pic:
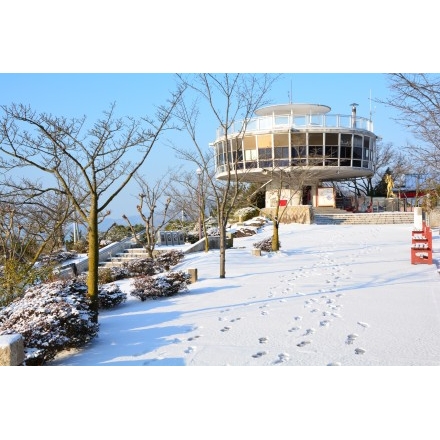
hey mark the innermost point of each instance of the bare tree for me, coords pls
(88, 163)
(30, 226)
(226, 97)
(191, 194)
(416, 97)
(149, 198)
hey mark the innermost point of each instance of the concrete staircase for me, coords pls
(332, 216)
(122, 257)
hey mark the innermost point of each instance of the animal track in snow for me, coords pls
(363, 324)
(359, 351)
(263, 340)
(225, 329)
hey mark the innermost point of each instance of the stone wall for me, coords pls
(292, 214)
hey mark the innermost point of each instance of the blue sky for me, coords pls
(47, 60)
(89, 94)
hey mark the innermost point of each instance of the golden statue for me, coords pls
(390, 184)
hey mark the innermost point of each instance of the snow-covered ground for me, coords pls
(335, 295)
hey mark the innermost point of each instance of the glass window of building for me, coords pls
(366, 153)
(235, 152)
(346, 149)
(298, 152)
(281, 149)
(316, 149)
(357, 151)
(220, 153)
(264, 143)
(250, 151)
(331, 141)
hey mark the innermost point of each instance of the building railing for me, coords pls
(280, 122)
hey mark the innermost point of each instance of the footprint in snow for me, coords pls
(351, 338)
(263, 340)
(193, 337)
(359, 351)
(259, 354)
(303, 343)
(363, 324)
(282, 357)
(225, 329)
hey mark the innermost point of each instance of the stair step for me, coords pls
(363, 218)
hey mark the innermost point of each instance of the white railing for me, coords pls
(274, 122)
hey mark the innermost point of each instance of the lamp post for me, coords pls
(199, 193)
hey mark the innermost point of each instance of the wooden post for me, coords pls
(193, 275)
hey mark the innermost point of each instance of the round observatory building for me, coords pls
(297, 150)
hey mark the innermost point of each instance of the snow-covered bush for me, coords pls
(142, 266)
(213, 232)
(105, 275)
(110, 274)
(265, 245)
(50, 317)
(58, 257)
(163, 285)
(150, 266)
(169, 258)
(243, 232)
(110, 296)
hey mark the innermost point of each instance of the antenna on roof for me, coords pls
(371, 111)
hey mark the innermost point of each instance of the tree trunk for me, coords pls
(92, 279)
(275, 236)
(222, 249)
(205, 235)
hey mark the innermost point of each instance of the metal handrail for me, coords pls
(295, 122)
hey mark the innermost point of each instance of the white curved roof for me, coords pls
(294, 109)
